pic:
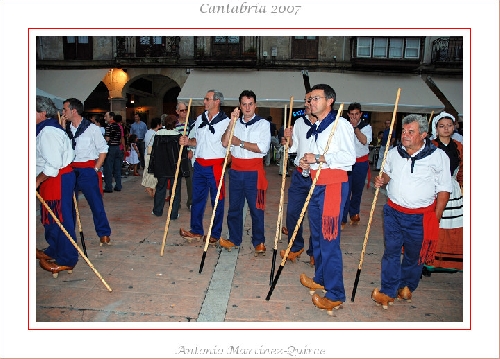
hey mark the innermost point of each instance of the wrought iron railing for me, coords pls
(225, 47)
(147, 46)
(447, 49)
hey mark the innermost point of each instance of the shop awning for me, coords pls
(58, 101)
(69, 83)
(377, 93)
(272, 88)
(453, 90)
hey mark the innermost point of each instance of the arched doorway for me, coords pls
(170, 100)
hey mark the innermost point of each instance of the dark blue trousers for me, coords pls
(160, 194)
(60, 247)
(356, 184)
(88, 183)
(401, 229)
(243, 185)
(327, 254)
(297, 194)
(204, 183)
(113, 168)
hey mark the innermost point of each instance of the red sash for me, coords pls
(254, 164)
(369, 176)
(333, 179)
(50, 191)
(216, 164)
(89, 164)
(431, 229)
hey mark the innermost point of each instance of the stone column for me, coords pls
(118, 106)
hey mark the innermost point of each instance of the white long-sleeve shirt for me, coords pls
(363, 150)
(341, 152)
(53, 151)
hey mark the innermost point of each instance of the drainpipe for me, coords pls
(343, 50)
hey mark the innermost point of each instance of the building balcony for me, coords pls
(447, 52)
(144, 50)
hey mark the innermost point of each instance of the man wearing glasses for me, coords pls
(247, 178)
(181, 110)
(210, 154)
(329, 196)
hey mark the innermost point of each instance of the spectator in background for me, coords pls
(118, 120)
(148, 180)
(133, 154)
(163, 164)
(139, 128)
(274, 141)
(373, 156)
(385, 142)
(102, 125)
(457, 134)
(181, 110)
(114, 159)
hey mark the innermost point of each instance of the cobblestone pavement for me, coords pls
(232, 287)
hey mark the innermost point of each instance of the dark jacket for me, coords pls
(165, 154)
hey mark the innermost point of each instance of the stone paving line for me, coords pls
(232, 285)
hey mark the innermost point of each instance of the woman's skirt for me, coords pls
(449, 253)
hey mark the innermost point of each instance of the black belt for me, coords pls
(140, 139)
(114, 145)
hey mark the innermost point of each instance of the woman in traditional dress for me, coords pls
(449, 253)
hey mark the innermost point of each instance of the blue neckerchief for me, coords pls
(190, 125)
(428, 149)
(251, 122)
(204, 121)
(361, 124)
(316, 130)
(307, 122)
(48, 122)
(81, 129)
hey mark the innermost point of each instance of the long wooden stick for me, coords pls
(209, 232)
(356, 280)
(54, 217)
(82, 238)
(284, 172)
(174, 186)
(304, 208)
(430, 117)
